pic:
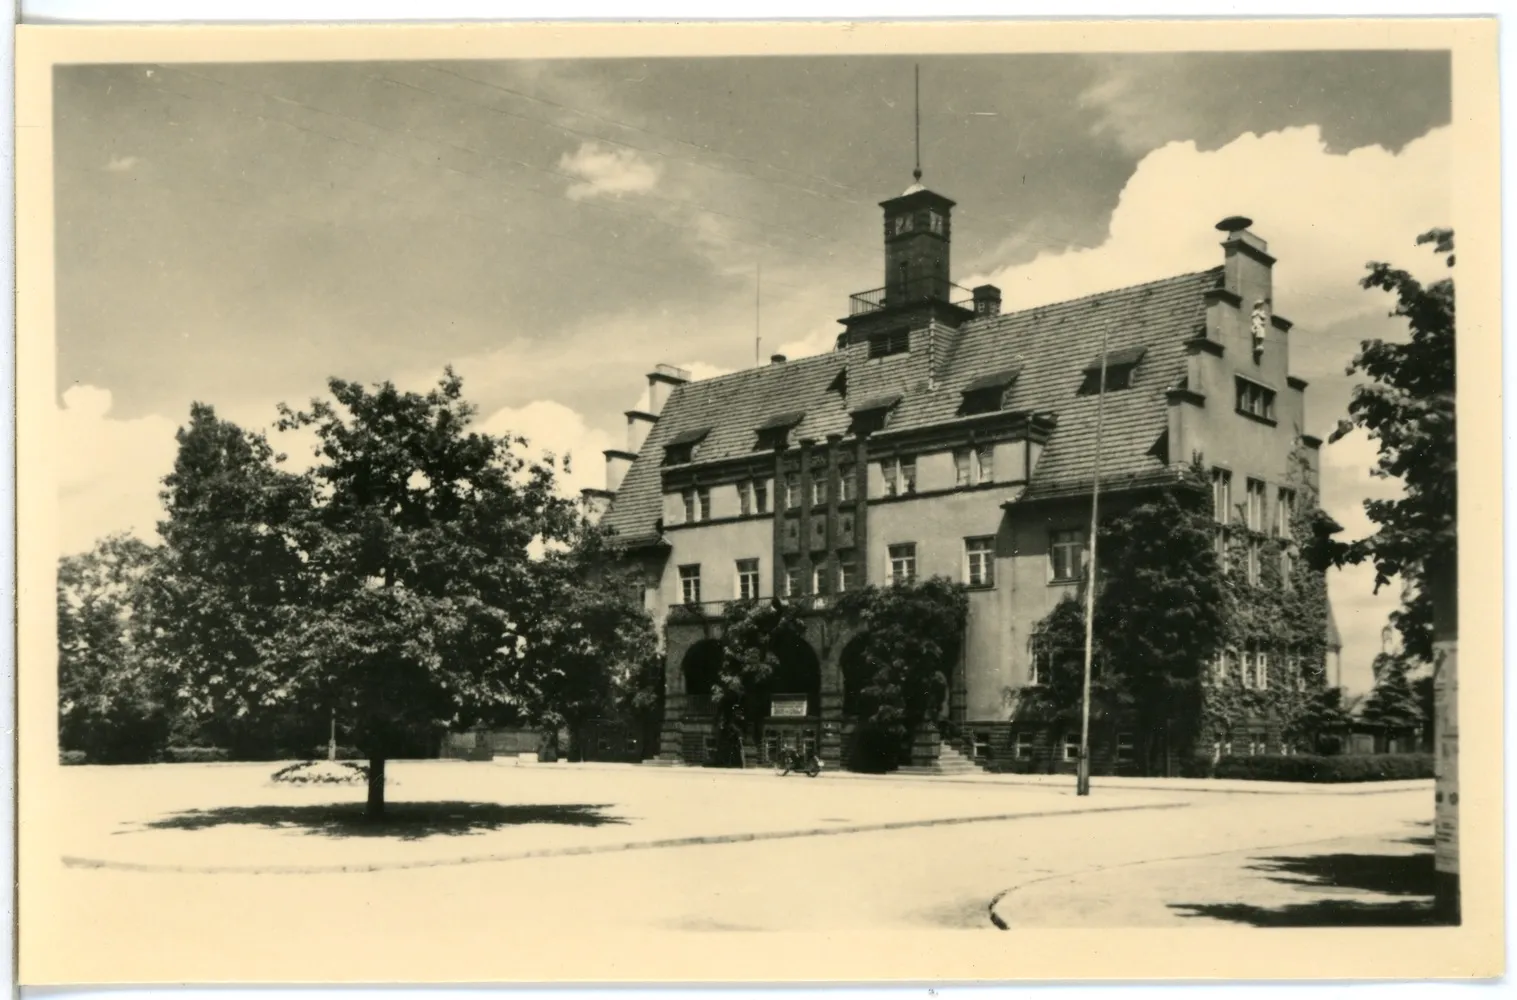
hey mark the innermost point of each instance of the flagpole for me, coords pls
(1082, 779)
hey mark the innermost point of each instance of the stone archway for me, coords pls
(700, 668)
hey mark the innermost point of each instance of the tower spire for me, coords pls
(917, 173)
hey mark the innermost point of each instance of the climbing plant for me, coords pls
(1275, 607)
(911, 640)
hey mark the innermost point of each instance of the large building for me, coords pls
(945, 436)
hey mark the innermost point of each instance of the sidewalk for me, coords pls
(192, 820)
(1059, 782)
(1365, 881)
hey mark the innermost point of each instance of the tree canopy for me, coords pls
(1407, 407)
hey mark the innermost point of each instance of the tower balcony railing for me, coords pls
(908, 293)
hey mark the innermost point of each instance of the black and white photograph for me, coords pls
(481, 510)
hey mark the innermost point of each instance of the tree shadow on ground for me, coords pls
(402, 820)
(1405, 880)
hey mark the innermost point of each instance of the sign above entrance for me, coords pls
(787, 706)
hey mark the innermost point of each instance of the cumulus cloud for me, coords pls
(120, 164)
(109, 469)
(1324, 215)
(551, 428)
(605, 171)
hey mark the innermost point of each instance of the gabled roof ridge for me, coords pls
(759, 368)
(981, 324)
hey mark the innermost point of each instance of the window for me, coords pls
(792, 491)
(747, 579)
(1071, 746)
(883, 345)
(900, 475)
(979, 555)
(981, 745)
(1066, 554)
(1246, 668)
(761, 496)
(1255, 400)
(1222, 495)
(690, 583)
(703, 503)
(1126, 748)
(961, 476)
(1041, 661)
(1285, 513)
(847, 483)
(745, 499)
(1287, 569)
(689, 499)
(848, 572)
(818, 488)
(792, 579)
(1021, 747)
(985, 461)
(903, 562)
(1224, 551)
(1255, 508)
(1261, 666)
(820, 579)
(1253, 562)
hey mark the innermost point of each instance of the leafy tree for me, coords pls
(590, 641)
(114, 702)
(392, 583)
(1408, 409)
(755, 637)
(912, 634)
(1322, 717)
(1392, 703)
(231, 560)
(1159, 609)
(1059, 649)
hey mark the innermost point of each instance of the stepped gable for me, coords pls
(1049, 347)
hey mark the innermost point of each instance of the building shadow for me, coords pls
(402, 820)
(1380, 890)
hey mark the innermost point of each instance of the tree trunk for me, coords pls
(375, 810)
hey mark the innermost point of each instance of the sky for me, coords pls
(236, 234)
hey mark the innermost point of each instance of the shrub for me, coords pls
(1369, 767)
(1200, 766)
(321, 772)
(72, 757)
(195, 755)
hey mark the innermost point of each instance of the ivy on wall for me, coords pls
(1284, 617)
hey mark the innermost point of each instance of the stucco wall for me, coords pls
(716, 548)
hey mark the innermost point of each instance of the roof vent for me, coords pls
(776, 359)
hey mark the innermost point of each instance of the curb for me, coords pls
(70, 861)
(995, 901)
(1204, 786)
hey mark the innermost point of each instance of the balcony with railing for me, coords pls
(908, 293)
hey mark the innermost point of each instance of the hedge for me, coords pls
(1336, 769)
(195, 755)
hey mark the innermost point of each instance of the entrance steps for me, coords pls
(950, 761)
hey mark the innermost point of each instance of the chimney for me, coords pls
(639, 423)
(661, 381)
(776, 359)
(617, 464)
(1247, 265)
(987, 301)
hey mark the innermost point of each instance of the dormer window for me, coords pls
(869, 416)
(987, 394)
(774, 433)
(685, 446)
(1120, 366)
(882, 345)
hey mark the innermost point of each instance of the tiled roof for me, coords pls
(1048, 348)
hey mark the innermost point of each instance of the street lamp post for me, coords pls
(1082, 779)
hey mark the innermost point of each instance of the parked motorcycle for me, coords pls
(788, 760)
